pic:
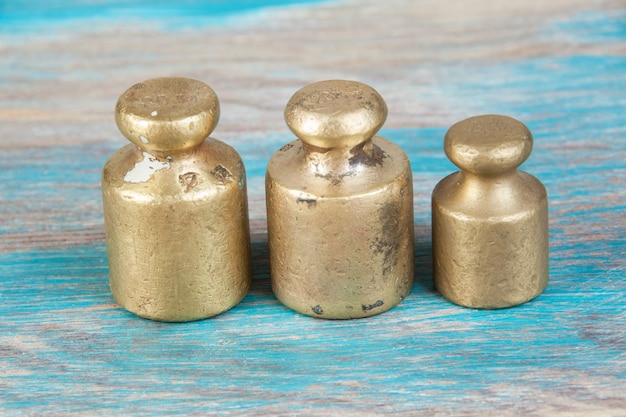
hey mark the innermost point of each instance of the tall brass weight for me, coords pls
(175, 206)
(339, 206)
(490, 220)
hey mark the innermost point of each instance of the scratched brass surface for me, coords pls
(490, 220)
(175, 206)
(339, 206)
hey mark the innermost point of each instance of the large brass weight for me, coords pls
(175, 208)
(339, 206)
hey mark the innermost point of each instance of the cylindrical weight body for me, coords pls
(490, 241)
(341, 246)
(178, 241)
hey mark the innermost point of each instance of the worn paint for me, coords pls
(41, 13)
(145, 169)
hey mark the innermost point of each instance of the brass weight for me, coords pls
(339, 206)
(175, 206)
(490, 220)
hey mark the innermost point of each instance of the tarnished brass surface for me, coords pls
(339, 206)
(175, 206)
(490, 220)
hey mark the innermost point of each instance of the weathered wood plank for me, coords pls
(67, 349)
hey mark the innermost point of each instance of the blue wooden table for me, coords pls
(67, 349)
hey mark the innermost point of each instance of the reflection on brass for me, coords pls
(339, 206)
(490, 220)
(175, 206)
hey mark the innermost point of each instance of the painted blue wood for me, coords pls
(67, 349)
(16, 15)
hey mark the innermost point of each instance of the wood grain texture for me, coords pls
(559, 67)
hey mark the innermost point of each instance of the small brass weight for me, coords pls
(490, 220)
(339, 206)
(175, 206)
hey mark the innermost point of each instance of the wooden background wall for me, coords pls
(66, 348)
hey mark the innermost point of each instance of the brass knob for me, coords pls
(487, 145)
(169, 114)
(335, 113)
